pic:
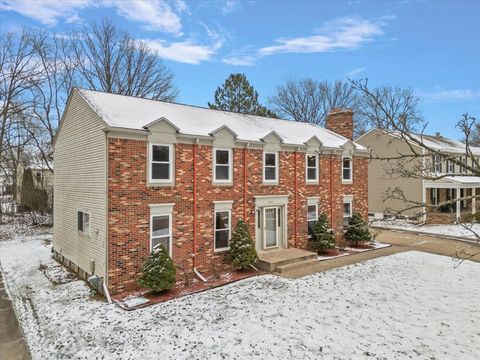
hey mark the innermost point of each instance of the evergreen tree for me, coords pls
(357, 230)
(28, 187)
(237, 95)
(242, 248)
(158, 272)
(323, 235)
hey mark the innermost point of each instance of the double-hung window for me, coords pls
(463, 167)
(347, 169)
(222, 229)
(312, 217)
(450, 166)
(161, 232)
(83, 222)
(347, 210)
(270, 167)
(312, 168)
(437, 163)
(222, 165)
(161, 163)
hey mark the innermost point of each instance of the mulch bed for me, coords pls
(181, 289)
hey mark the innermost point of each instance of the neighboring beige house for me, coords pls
(384, 177)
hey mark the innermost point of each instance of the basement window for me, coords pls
(83, 222)
(160, 163)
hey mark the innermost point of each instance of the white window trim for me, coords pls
(464, 161)
(171, 169)
(347, 181)
(215, 250)
(230, 166)
(169, 231)
(83, 222)
(311, 181)
(316, 215)
(348, 199)
(270, 182)
(437, 163)
(450, 167)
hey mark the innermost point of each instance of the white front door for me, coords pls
(271, 226)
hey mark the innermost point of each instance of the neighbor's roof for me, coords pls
(128, 112)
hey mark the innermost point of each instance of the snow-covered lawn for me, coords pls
(408, 305)
(445, 230)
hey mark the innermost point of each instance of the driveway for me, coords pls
(401, 242)
(12, 343)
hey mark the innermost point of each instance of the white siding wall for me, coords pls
(80, 183)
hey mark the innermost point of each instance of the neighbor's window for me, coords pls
(347, 212)
(222, 168)
(222, 230)
(161, 232)
(161, 163)
(347, 169)
(312, 168)
(270, 167)
(450, 166)
(437, 163)
(463, 168)
(83, 222)
(312, 216)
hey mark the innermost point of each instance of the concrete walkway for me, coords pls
(400, 242)
(12, 343)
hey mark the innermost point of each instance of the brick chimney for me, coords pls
(341, 122)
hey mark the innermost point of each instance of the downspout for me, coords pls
(194, 154)
(331, 188)
(245, 183)
(295, 197)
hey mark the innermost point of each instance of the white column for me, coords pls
(424, 201)
(458, 202)
(474, 202)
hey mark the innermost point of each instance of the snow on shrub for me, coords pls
(242, 248)
(323, 235)
(158, 272)
(357, 230)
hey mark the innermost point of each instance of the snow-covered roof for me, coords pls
(460, 181)
(128, 112)
(441, 143)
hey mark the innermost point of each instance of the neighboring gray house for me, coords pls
(388, 145)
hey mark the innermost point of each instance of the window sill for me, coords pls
(83, 234)
(219, 183)
(268, 183)
(221, 251)
(347, 182)
(312, 182)
(160, 184)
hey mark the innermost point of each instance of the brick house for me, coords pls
(132, 173)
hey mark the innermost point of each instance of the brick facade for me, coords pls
(129, 197)
(341, 122)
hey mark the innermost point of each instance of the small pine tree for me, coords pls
(242, 248)
(158, 272)
(357, 230)
(323, 235)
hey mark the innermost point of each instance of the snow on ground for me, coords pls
(444, 229)
(408, 305)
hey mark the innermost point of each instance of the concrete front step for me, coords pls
(296, 265)
(271, 260)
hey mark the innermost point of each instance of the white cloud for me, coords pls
(240, 60)
(47, 12)
(230, 6)
(355, 72)
(154, 14)
(449, 95)
(184, 51)
(341, 34)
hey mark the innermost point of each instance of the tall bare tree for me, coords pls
(108, 59)
(309, 100)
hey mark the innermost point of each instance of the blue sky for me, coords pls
(431, 46)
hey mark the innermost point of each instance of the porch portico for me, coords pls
(456, 193)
